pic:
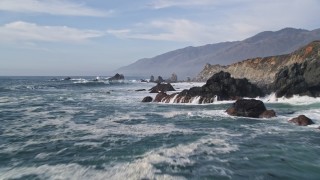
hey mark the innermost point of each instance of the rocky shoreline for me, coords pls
(295, 74)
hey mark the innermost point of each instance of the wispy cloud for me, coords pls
(180, 30)
(54, 7)
(183, 30)
(159, 4)
(20, 31)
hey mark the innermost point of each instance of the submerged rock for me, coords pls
(138, 90)
(147, 99)
(250, 108)
(301, 120)
(161, 88)
(268, 114)
(67, 79)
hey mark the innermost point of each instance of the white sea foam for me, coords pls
(180, 155)
(186, 85)
(295, 100)
(42, 155)
(196, 100)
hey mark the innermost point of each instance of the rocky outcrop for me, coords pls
(147, 99)
(67, 79)
(301, 120)
(250, 108)
(151, 78)
(173, 78)
(220, 86)
(116, 77)
(299, 79)
(162, 88)
(159, 80)
(262, 71)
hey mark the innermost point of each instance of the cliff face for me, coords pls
(262, 71)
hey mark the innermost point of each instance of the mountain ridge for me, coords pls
(189, 61)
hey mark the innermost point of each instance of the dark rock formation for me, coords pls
(160, 96)
(147, 99)
(300, 79)
(161, 88)
(151, 78)
(143, 80)
(116, 77)
(159, 80)
(140, 90)
(301, 120)
(173, 79)
(220, 86)
(250, 108)
(67, 78)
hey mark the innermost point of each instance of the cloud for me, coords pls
(54, 7)
(180, 30)
(159, 4)
(183, 30)
(227, 20)
(20, 31)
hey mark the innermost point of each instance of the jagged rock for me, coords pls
(143, 80)
(250, 108)
(147, 99)
(151, 78)
(116, 77)
(173, 79)
(299, 79)
(67, 78)
(160, 96)
(228, 88)
(159, 80)
(161, 88)
(220, 86)
(301, 120)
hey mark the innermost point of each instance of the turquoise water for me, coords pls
(82, 129)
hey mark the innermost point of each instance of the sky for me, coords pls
(95, 37)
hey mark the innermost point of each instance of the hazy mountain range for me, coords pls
(190, 61)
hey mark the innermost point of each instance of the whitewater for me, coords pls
(87, 129)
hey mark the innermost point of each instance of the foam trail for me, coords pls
(196, 100)
(173, 100)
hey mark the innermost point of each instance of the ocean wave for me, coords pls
(295, 100)
(181, 156)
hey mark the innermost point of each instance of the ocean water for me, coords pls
(81, 129)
